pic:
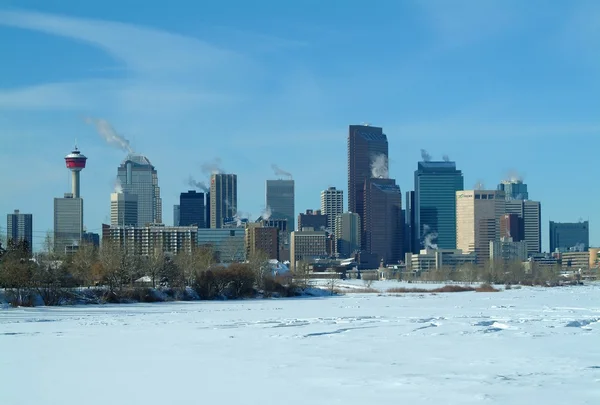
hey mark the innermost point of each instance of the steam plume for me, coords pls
(266, 214)
(429, 237)
(280, 172)
(425, 155)
(446, 158)
(200, 185)
(118, 186)
(479, 185)
(213, 167)
(513, 177)
(379, 167)
(108, 133)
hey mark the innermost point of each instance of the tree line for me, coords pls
(112, 274)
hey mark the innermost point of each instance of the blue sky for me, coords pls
(499, 86)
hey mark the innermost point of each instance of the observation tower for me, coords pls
(75, 163)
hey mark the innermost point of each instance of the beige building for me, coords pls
(435, 259)
(307, 245)
(478, 214)
(261, 239)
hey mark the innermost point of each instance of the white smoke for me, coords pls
(379, 167)
(200, 185)
(514, 177)
(108, 133)
(425, 155)
(118, 186)
(429, 237)
(280, 172)
(446, 158)
(266, 214)
(479, 185)
(213, 167)
(580, 247)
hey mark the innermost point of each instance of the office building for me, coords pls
(123, 209)
(436, 184)
(383, 224)
(262, 239)
(530, 213)
(514, 189)
(19, 227)
(176, 214)
(280, 200)
(508, 250)
(136, 175)
(307, 246)
(228, 244)
(348, 232)
(411, 239)
(68, 223)
(223, 198)
(512, 226)
(366, 146)
(569, 236)
(146, 240)
(478, 214)
(191, 209)
(207, 210)
(313, 219)
(436, 259)
(332, 204)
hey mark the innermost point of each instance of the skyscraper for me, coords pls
(19, 227)
(347, 232)
(511, 226)
(411, 239)
(514, 189)
(436, 184)
(223, 198)
(332, 204)
(123, 209)
(367, 157)
(383, 225)
(138, 176)
(177, 214)
(531, 214)
(280, 199)
(191, 209)
(478, 214)
(569, 236)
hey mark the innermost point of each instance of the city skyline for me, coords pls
(498, 112)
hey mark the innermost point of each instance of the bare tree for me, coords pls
(111, 258)
(82, 262)
(231, 250)
(258, 261)
(155, 265)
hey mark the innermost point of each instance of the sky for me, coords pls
(500, 86)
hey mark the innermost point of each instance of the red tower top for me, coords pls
(75, 160)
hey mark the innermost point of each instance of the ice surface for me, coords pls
(524, 346)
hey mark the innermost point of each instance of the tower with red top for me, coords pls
(76, 163)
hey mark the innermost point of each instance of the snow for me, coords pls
(532, 345)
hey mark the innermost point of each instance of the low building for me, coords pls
(261, 239)
(145, 240)
(575, 261)
(227, 243)
(435, 259)
(307, 246)
(508, 250)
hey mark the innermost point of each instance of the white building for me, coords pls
(434, 259)
(68, 223)
(332, 204)
(307, 245)
(123, 209)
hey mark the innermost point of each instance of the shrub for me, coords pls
(444, 289)
(486, 288)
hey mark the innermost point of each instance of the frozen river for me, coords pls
(513, 347)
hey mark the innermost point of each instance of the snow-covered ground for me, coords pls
(527, 346)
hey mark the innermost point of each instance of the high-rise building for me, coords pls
(508, 250)
(148, 239)
(313, 219)
(68, 223)
(176, 214)
(191, 209)
(411, 238)
(19, 227)
(332, 204)
(262, 239)
(514, 189)
(478, 214)
(383, 225)
(569, 236)
(348, 232)
(280, 200)
(123, 209)
(531, 214)
(307, 246)
(436, 184)
(68, 211)
(207, 209)
(223, 198)
(138, 176)
(512, 227)
(367, 157)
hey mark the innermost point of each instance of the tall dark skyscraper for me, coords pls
(19, 227)
(191, 209)
(280, 199)
(223, 198)
(569, 236)
(411, 240)
(436, 184)
(207, 209)
(383, 226)
(367, 146)
(530, 212)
